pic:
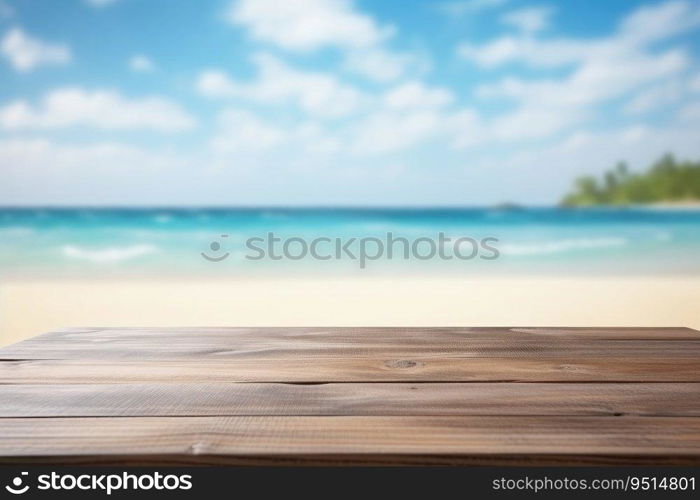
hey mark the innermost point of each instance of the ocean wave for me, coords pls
(11, 231)
(162, 218)
(273, 215)
(109, 254)
(561, 246)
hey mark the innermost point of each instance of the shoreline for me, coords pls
(598, 274)
(661, 206)
(691, 205)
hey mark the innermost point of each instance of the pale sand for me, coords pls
(31, 307)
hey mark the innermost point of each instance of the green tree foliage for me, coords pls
(667, 180)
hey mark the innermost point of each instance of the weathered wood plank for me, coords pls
(333, 440)
(432, 334)
(375, 399)
(170, 396)
(152, 348)
(412, 369)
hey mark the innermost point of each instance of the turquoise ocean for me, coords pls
(102, 242)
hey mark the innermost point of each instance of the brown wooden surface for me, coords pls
(209, 439)
(375, 369)
(344, 343)
(352, 396)
(376, 399)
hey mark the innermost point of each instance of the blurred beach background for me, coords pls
(137, 136)
(144, 267)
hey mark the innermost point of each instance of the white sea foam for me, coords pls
(162, 218)
(109, 254)
(561, 246)
(12, 231)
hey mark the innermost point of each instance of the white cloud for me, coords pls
(100, 3)
(526, 50)
(42, 153)
(102, 173)
(660, 21)
(653, 98)
(378, 64)
(405, 117)
(215, 83)
(316, 93)
(385, 132)
(401, 118)
(492, 54)
(545, 107)
(314, 139)
(600, 70)
(416, 95)
(310, 25)
(243, 134)
(25, 52)
(637, 31)
(593, 82)
(533, 122)
(691, 113)
(243, 131)
(634, 34)
(528, 20)
(303, 25)
(104, 109)
(141, 64)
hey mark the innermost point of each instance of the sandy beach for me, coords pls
(28, 308)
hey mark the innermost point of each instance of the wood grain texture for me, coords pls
(296, 343)
(322, 370)
(386, 333)
(377, 399)
(333, 440)
(352, 396)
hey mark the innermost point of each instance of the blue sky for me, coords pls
(338, 102)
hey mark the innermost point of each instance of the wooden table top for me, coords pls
(146, 396)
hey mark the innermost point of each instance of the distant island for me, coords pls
(667, 181)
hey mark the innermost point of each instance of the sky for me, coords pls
(338, 102)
